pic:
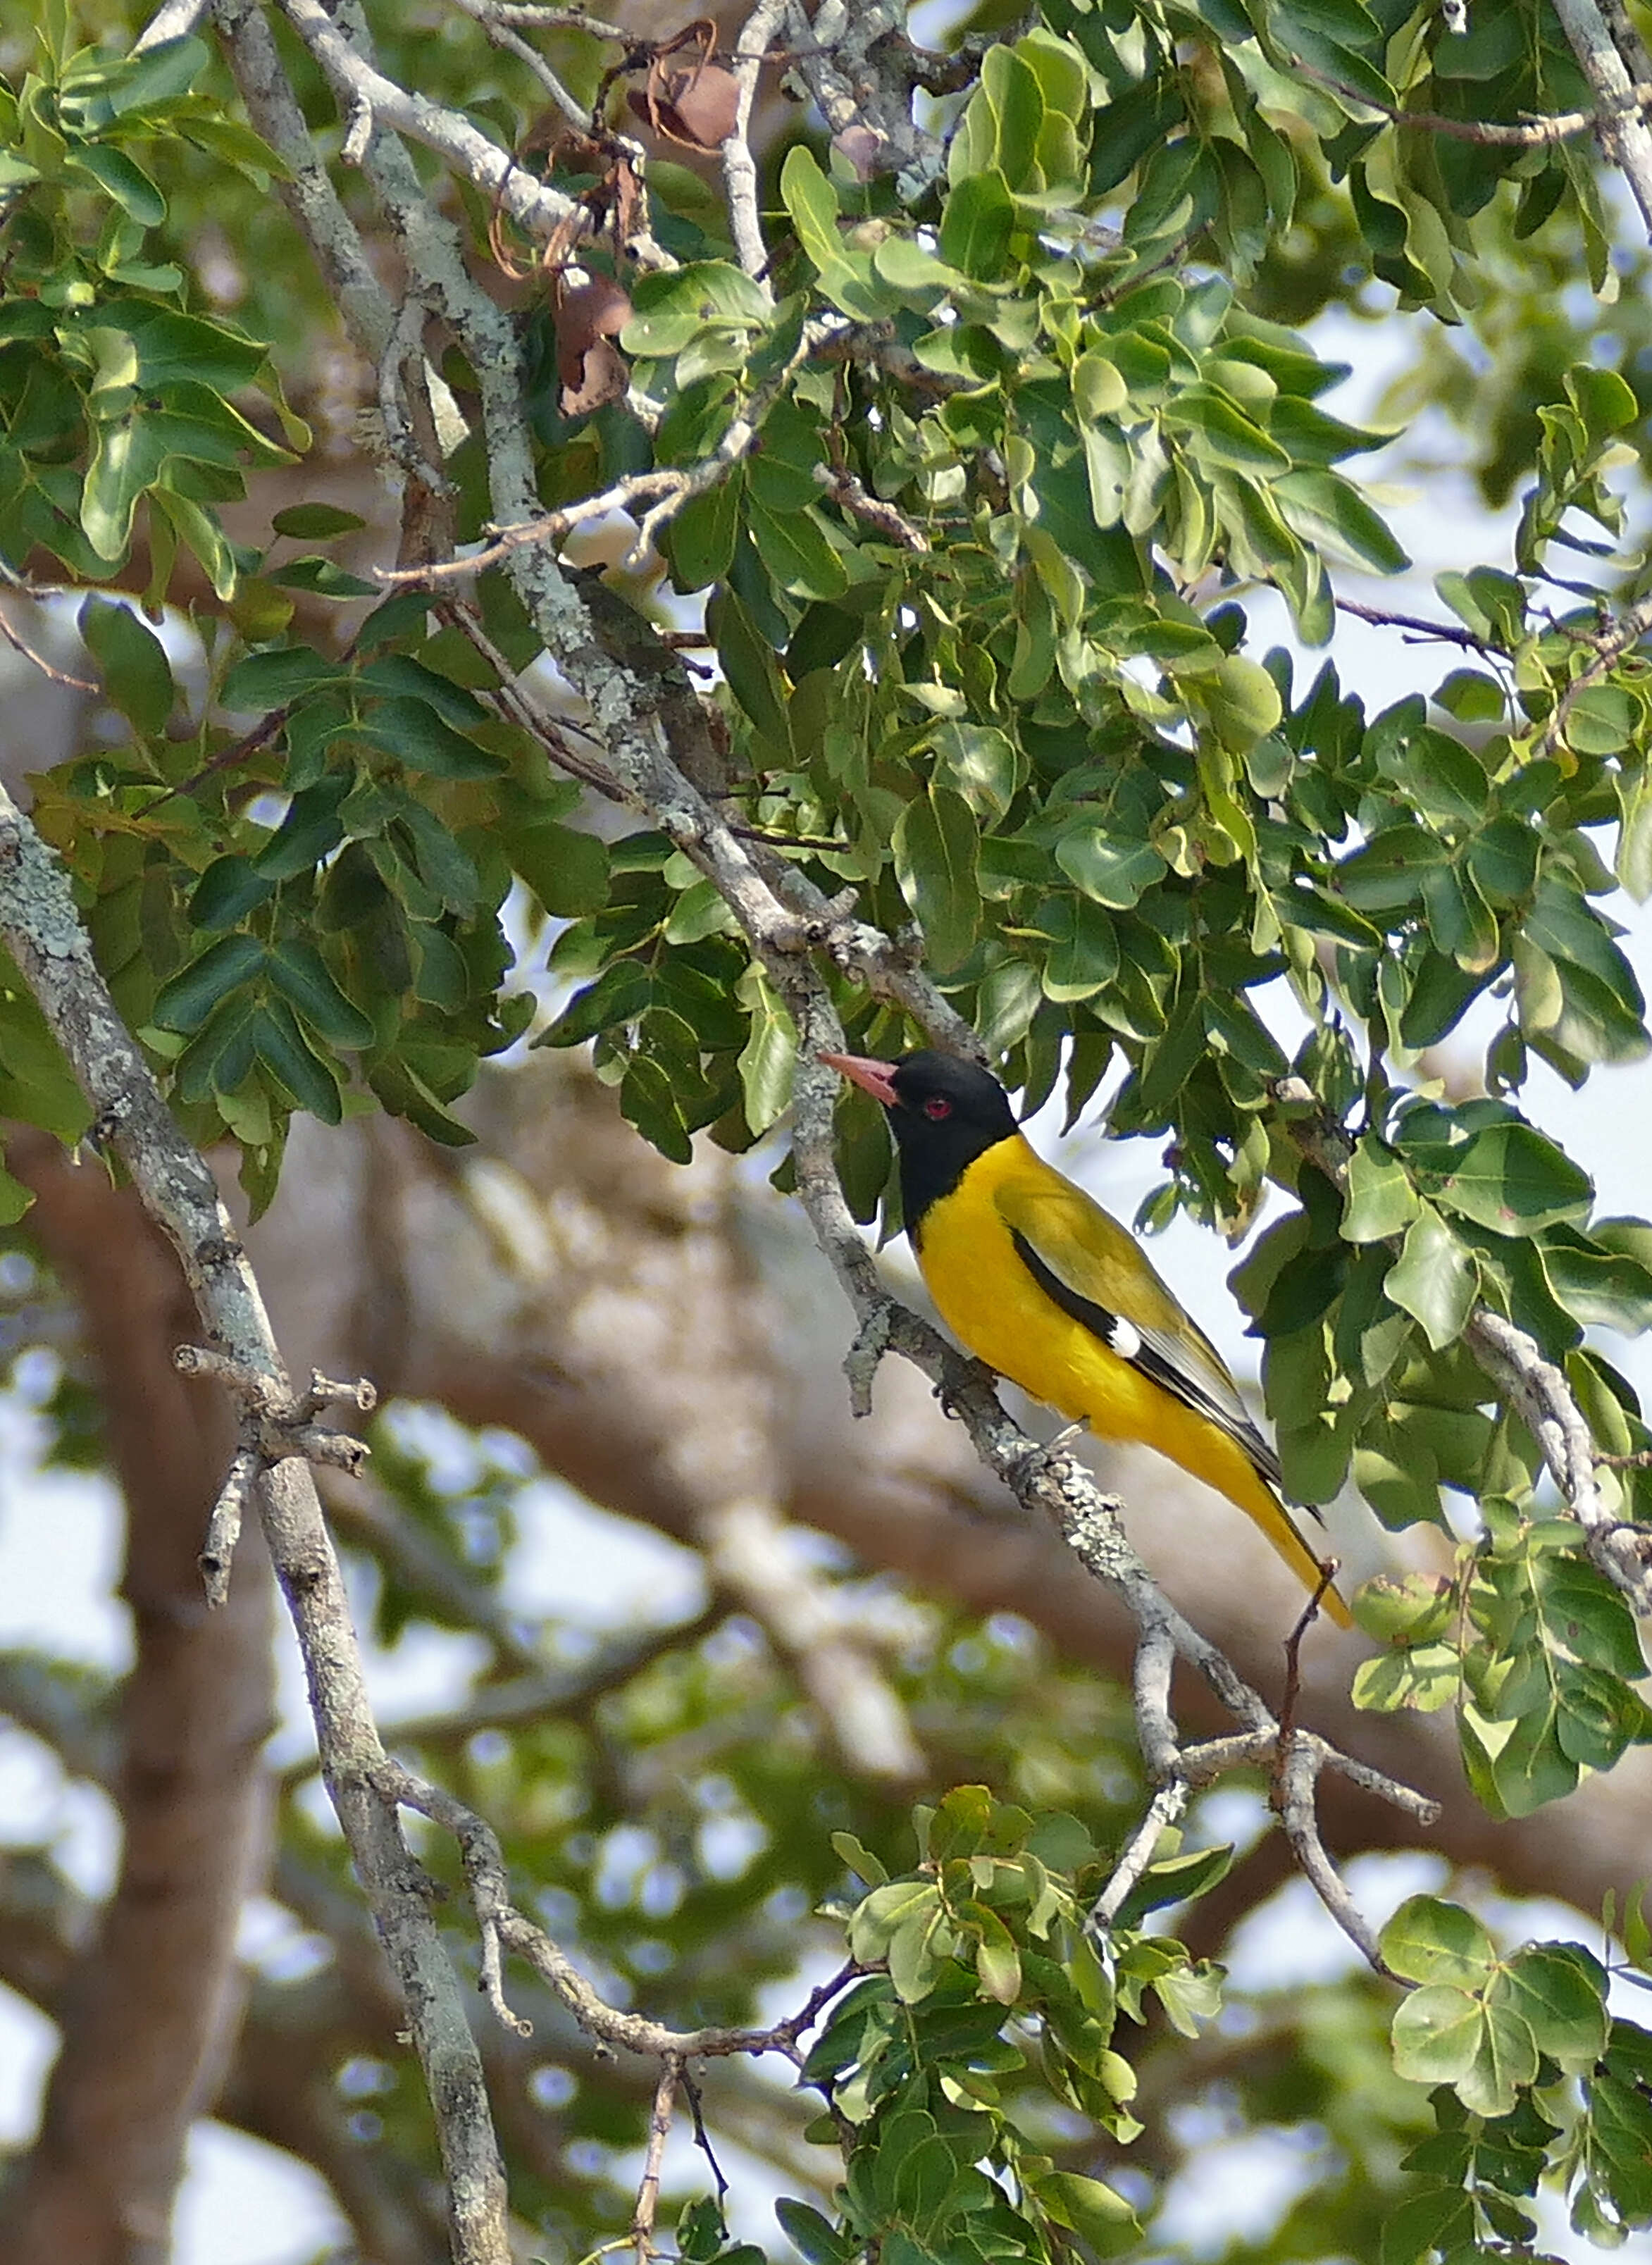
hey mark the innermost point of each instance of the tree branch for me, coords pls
(740, 170)
(1625, 135)
(39, 927)
(157, 1992)
(364, 91)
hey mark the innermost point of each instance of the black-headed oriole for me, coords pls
(1038, 1282)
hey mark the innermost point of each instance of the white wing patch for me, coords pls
(1123, 1338)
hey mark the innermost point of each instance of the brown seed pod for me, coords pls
(589, 316)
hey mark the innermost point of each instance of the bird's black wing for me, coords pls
(1178, 1368)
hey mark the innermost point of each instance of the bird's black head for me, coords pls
(943, 1111)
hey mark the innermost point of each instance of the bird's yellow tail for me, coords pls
(1260, 1503)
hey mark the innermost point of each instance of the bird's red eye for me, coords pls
(937, 1106)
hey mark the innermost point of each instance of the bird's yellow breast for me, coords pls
(989, 1301)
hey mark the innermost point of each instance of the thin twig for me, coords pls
(1293, 1801)
(1306, 1618)
(1445, 632)
(1163, 1811)
(843, 489)
(514, 700)
(497, 25)
(1529, 132)
(1610, 644)
(38, 660)
(701, 2136)
(1296, 1763)
(555, 19)
(224, 1528)
(660, 2117)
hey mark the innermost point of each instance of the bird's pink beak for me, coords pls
(876, 1078)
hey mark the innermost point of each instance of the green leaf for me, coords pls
(311, 829)
(322, 578)
(185, 1002)
(273, 680)
(1082, 955)
(227, 892)
(814, 2240)
(282, 1049)
(126, 460)
(1424, 1679)
(1582, 1610)
(96, 93)
(1328, 512)
(768, 1059)
(977, 226)
(300, 973)
(1435, 1279)
(1507, 2060)
(673, 308)
(650, 1101)
(623, 990)
(1381, 1200)
(122, 178)
(1439, 2033)
(702, 536)
(313, 522)
(795, 548)
(1560, 1991)
(846, 276)
(1437, 2220)
(981, 762)
(1522, 1762)
(811, 200)
(177, 348)
(1241, 700)
(1115, 871)
(1430, 1940)
(1512, 1180)
(935, 848)
(401, 673)
(412, 730)
(997, 1960)
(749, 663)
(567, 870)
(136, 675)
(914, 1960)
(1103, 2220)
(880, 1915)
(1222, 432)
(860, 1859)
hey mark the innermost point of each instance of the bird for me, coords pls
(1041, 1284)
